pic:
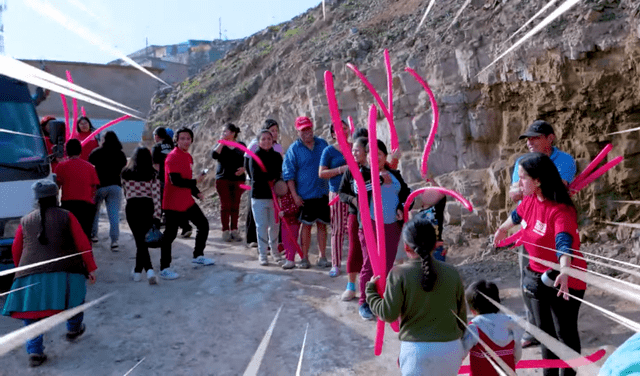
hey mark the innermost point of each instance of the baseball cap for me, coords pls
(538, 128)
(303, 122)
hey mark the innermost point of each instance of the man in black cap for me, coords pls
(540, 137)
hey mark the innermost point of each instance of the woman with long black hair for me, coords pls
(84, 128)
(427, 295)
(109, 160)
(550, 233)
(142, 192)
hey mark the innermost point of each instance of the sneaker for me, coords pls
(263, 260)
(201, 260)
(114, 246)
(288, 265)
(137, 277)
(348, 295)
(36, 360)
(304, 264)
(151, 277)
(235, 236)
(73, 335)
(277, 257)
(186, 233)
(94, 238)
(323, 263)
(365, 312)
(334, 272)
(253, 245)
(169, 274)
(226, 236)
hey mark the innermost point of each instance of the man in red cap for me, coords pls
(310, 192)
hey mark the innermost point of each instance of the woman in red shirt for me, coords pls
(84, 129)
(550, 233)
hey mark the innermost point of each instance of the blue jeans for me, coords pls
(36, 346)
(266, 228)
(112, 196)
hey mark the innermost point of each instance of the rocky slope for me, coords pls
(580, 73)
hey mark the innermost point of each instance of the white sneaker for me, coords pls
(263, 260)
(114, 246)
(348, 295)
(201, 260)
(151, 277)
(137, 277)
(288, 265)
(226, 236)
(169, 274)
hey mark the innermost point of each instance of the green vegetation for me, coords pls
(264, 47)
(292, 32)
(274, 28)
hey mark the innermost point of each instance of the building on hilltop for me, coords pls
(179, 61)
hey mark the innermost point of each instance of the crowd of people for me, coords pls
(290, 192)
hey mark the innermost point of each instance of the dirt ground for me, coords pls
(212, 320)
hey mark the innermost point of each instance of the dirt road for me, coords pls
(212, 320)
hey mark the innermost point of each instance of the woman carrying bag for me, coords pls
(143, 210)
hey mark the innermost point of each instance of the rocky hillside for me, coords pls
(580, 73)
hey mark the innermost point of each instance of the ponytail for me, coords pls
(420, 236)
(45, 203)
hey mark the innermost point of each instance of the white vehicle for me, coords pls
(23, 160)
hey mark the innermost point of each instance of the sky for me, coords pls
(126, 24)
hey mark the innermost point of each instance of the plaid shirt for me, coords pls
(151, 189)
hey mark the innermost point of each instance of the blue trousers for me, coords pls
(112, 197)
(36, 346)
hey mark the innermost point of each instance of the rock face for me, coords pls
(580, 73)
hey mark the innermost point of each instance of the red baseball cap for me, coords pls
(303, 122)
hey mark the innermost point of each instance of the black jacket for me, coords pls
(109, 164)
(272, 160)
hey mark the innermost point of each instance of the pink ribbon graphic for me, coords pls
(445, 191)
(363, 201)
(112, 122)
(434, 126)
(351, 125)
(385, 111)
(596, 161)
(245, 187)
(84, 113)
(74, 102)
(549, 363)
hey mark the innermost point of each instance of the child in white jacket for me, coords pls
(498, 331)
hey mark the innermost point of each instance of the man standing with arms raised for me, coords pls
(540, 137)
(310, 192)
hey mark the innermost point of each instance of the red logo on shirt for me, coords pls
(540, 228)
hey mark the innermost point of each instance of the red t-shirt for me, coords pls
(88, 147)
(77, 179)
(177, 198)
(542, 221)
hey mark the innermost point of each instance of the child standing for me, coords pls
(498, 331)
(290, 223)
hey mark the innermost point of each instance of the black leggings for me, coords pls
(174, 220)
(554, 315)
(139, 211)
(84, 213)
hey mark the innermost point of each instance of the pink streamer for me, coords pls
(445, 191)
(351, 125)
(387, 115)
(599, 172)
(253, 155)
(74, 102)
(549, 363)
(434, 127)
(333, 202)
(387, 63)
(513, 239)
(596, 161)
(363, 202)
(245, 187)
(378, 261)
(84, 113)
(112, 122)
(65, 108)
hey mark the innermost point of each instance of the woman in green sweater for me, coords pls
(424, 293)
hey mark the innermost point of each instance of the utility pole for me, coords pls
(3, 7)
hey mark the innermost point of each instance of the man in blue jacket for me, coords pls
(310, 192)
